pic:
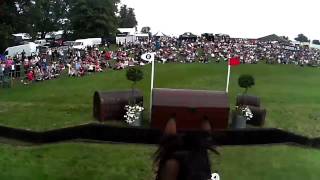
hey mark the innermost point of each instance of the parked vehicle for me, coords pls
(50, 42)
(58, 42)
(29, 50)
(96, 41)
(68, 43)
(82, 44)
(23, 36)
(109, 40)
(41, 42)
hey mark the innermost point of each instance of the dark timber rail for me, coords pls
(99, 132)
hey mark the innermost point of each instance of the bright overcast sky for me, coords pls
(238, 18)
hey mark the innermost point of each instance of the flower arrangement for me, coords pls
(132, 113)
(245, 112)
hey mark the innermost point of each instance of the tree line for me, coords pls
(78, 18)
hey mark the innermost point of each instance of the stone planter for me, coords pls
(239, 122)
(138, 122)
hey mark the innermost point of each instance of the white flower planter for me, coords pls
(133, 115)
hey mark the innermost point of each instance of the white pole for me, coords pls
(152, 79)
(228, 80)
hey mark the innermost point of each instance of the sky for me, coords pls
(238, 18)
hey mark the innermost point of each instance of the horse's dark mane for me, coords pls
(190, 144)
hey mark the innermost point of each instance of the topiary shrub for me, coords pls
(246, 81)
(135, 75)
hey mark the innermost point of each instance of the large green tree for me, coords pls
(13, 15)
(302, 38)
(47, 16)
(5, 36)
(127, 17)
(85, 18)
(30, 16)
(93, 18)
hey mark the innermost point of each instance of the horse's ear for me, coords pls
(206, 125)
(171, 127)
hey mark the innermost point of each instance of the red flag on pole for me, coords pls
(235, 61)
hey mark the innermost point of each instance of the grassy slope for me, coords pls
(290, 94)
(122, 162)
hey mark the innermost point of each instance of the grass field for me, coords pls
(290, 94)
(134, 162)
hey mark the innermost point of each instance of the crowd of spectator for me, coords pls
(249, 51)
(75, 63)
(54, 62)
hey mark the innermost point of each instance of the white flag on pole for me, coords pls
(148, 57)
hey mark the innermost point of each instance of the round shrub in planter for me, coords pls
(135, 75)
(134, 111)
(246, 81)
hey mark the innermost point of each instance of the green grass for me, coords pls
(268, 163)
(122, 162)
(289, 93)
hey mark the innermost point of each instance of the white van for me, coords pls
(41, 42)
(82, 44)
(96, 41)
(29, 49)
